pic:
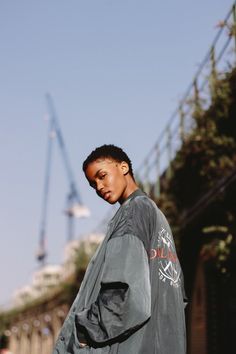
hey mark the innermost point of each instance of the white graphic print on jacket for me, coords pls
(168, 265)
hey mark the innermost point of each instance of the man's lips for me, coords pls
(106, 195)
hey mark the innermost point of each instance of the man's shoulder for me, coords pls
(143, 202)
(144, 209)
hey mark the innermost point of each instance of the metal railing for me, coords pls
(219, 59)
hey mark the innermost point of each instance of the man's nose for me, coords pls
(99, 186)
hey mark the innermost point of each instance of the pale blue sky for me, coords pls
(116, 70)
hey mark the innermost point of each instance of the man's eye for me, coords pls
(102, 176)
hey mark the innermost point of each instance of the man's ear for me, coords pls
(124, 167)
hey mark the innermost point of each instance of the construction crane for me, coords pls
(75, 207)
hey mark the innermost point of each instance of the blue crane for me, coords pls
(75, 207)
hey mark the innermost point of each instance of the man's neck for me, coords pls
(131, 188)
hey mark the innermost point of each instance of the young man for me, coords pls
(131, 300)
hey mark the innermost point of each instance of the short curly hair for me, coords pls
(110, 150)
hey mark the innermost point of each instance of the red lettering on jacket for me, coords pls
(163, 254)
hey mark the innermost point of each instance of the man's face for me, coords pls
(107, 177)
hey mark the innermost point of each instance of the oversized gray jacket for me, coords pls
(131, 300)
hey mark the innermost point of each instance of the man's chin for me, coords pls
(111, 201)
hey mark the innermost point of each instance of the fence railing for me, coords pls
(219, 59)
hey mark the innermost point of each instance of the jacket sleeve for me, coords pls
(124, 301)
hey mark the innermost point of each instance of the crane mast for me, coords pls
(75, 207)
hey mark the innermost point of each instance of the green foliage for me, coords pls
(223, 110)
(209, 151)
(69, 291)
(202, 161)
(218, 250)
